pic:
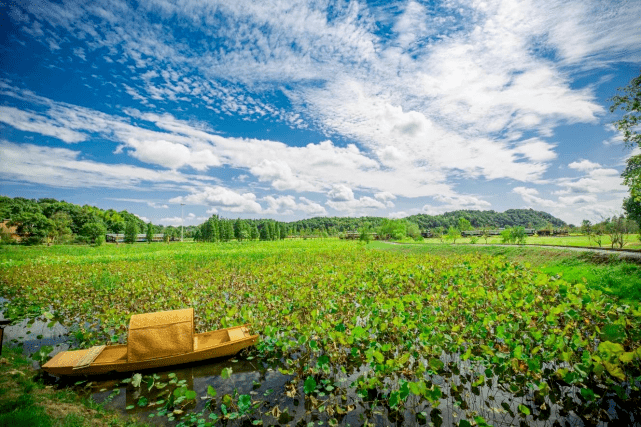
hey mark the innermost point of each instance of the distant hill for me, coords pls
(527, 218)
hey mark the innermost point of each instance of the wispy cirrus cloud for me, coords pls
(61, 167)
(29, 121)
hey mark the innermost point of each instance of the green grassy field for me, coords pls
(615, 277)
(378, 329)
(631, 241)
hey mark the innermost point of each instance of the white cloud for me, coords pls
(411, 26)
(453, 203)
(584, 165)
(396, 215)
(390, 155)
(164, 153)
(536, 150)
(530, 195)
(287, 205)
(354, 205)
(177, 221)
(573, 200)
(340, 193)
(144, 218)
(151, 204)
(60, 167)
(280, 205)
(596, 180)
(310, 207)
(386, 197)
(31, 122)
(280, 175)
(221, 198)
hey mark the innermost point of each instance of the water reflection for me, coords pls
(31, 336)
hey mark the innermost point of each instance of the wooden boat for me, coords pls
(155, 340)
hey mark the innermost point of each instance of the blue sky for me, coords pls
(294, 109)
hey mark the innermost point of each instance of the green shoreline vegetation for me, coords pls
(521, 319)
(26, 402)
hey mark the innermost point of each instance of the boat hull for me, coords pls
(114, 358)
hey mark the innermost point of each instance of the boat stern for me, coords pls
(63, 362)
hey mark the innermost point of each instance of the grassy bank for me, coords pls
(613, 276)
(26, 401)
(631, 241)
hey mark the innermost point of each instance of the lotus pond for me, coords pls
(349, 336)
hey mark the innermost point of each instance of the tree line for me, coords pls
(217, 229)
(58, 222)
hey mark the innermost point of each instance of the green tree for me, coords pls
(413, 231)
(206, 231)
(586, 227)
(264, 232)
(33, 225)
(505, 236)
(438, 233)
(365, 233)
(628, 100)
(617, 229)
(60, 231)
(632, 209)
(485, 232)
(464, 224)
(597, 234)
(394, 229)
(149, 235)
(238, 230)
(168, 233)
(94, 233)
(517, 235)
(453, 233)
(215, 229)
(254, 234)
(115, 223)
(131, 232)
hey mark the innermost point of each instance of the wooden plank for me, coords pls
(88, 358)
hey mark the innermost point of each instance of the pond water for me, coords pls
(249, 389)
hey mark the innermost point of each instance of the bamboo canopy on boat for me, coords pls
(162, 334)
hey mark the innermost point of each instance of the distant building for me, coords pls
(120, 238)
